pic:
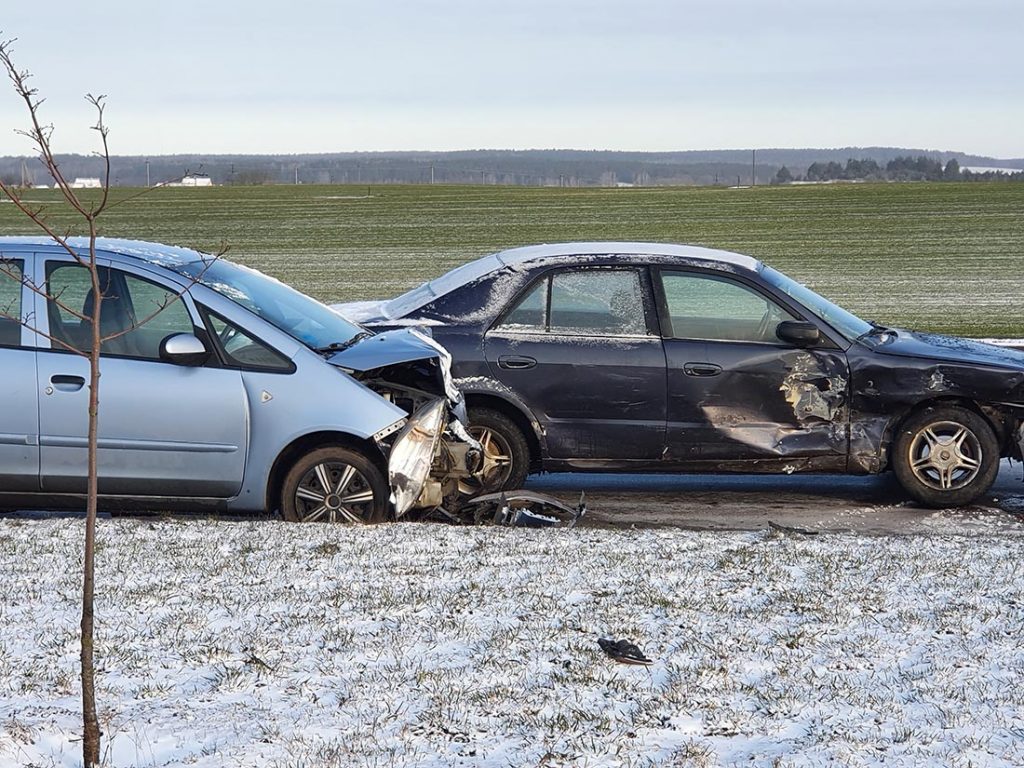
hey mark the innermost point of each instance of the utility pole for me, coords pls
(147, 174)
(753, 167)
(296, 175)
(431, 173)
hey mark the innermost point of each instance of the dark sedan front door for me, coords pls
(580, 348)
(736, 392)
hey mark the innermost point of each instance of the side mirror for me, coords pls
(798, 333)
(183, 349)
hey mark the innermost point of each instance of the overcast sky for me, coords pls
(333, 75)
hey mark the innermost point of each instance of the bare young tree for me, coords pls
(88, 211)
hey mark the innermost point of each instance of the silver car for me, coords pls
(239, 394)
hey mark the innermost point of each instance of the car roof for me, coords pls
(152, 253)
(530, 253)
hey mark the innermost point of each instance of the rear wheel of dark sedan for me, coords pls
(506, 454)
(334, 484)
(946, 456)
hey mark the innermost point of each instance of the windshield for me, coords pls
(845, 322)
(449, 281)
(301, 317)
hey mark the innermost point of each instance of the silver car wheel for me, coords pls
(945, 455)
(332, 492)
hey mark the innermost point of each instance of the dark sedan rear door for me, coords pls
(736, 392)
(581, 348)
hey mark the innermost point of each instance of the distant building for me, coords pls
(193, 180)
(989, 169)
(86, 183)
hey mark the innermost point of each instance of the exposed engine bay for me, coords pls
(432, 453)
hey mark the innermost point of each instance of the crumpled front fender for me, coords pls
(412, 455)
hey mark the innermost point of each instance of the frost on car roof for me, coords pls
(154, 253)
(535, 252)
(473, 270)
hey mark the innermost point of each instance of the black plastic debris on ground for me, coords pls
(523, 509)
(624, 652)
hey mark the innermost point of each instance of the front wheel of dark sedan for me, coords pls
(506, 459)
(946, 456)
(334, 484)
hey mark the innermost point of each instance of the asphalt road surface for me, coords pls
(823, 503)
(874, 505)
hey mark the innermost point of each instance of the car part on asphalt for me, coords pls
(525, 509)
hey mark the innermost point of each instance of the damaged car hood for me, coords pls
(904, 343)
(404, 345)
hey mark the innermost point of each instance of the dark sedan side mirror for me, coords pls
(798, 332)
(184, 349)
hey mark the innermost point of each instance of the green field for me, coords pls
(943, 257)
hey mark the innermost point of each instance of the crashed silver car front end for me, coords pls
(431, 451)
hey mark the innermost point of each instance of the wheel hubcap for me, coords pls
(334, 492)
(945, 456)
(497, 462)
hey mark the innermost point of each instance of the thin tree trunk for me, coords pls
(90, 723)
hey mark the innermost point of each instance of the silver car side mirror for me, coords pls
(184, 349)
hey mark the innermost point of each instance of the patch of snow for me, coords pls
(261, 643)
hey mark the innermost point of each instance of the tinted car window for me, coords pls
(136, 314)
(597, 303)
(708, 307)
(10, 303)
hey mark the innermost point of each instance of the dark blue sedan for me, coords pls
(664, 358)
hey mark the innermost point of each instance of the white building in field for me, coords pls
(83, 182)
(193, 180)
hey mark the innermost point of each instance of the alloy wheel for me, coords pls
(497, 462)
(332, 492)
(945, 455)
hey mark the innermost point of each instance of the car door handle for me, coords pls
(67, 383)
(702, 369)
(516, 362)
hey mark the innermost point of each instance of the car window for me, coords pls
(242, 350)
(10, 302)
(597, 302)
(713, 308)
(136, 315)
(529, 313)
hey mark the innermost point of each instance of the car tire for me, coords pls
(335, 484)
(506, 453)
(945, 456)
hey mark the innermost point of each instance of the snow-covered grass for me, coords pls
(260, 643)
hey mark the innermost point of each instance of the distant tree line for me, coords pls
(920, 168)
(550, 168)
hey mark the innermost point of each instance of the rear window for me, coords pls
(423, 294)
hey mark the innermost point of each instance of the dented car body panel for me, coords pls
(733, 395)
